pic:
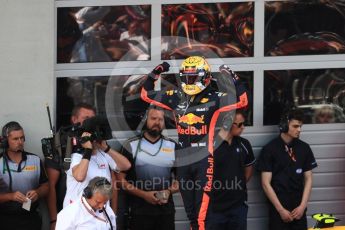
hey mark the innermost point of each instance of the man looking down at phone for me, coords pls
(149, 180)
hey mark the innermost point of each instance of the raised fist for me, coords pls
(161, 68)
(224, 69)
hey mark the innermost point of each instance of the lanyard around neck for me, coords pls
(5, 166)
(92, 212)
(145, 151)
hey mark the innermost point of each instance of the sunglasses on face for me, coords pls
(239, 125)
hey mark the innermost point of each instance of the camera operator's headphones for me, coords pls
(100, 181)
(12, 125)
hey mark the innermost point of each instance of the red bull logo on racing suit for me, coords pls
(191, 119)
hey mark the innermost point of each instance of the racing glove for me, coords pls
(161, 68)
(224, 69)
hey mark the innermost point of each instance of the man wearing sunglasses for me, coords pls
(233, 167)
(286, 165)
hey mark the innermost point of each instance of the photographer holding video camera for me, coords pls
(96, 158)
(57, 150)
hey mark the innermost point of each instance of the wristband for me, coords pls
(153, 76)
(52, 221)
(107, 149)
(87, 154)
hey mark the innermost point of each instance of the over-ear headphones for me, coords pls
(143, 124)
(94, 184)
(284, 123)
(292, 114)
(10, 126)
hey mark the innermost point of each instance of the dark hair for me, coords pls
(145, 118)
(241, 112)
(9, 127)
(295, 114)
(152, 106)
(79, 106)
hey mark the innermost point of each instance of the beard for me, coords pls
(154, 132)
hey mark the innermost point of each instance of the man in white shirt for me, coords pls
(97, 159)
(90, 211)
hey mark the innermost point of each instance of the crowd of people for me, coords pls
(209, 164)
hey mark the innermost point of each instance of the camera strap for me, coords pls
(67, 158)
(64, 147)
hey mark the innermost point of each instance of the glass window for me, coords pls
(103, 33)
(304, 27)
(74, 90)
(320, 93)
(207, 29)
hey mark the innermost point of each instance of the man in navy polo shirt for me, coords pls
(233, 167)
(286, 165)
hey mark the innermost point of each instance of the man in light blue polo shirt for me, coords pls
(149, 181)
(22, 182)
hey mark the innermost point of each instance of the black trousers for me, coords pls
(234, 218)
(29, 221)
(192, 179)
(152, 222)
(275, 221)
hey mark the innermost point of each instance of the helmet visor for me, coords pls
(189, 79)
(193, 77)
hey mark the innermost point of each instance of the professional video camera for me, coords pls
(68, 139)
(97, 126)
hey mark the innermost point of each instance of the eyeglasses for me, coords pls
(239, 125)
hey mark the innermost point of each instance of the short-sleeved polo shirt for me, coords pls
(29, 174)
(287, 174)
(229, 182)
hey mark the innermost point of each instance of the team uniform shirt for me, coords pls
(230, 188)
(100, 164)
(287, 171)
(79, 215)
(287, 163)
(152, 165)
(28, 175)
